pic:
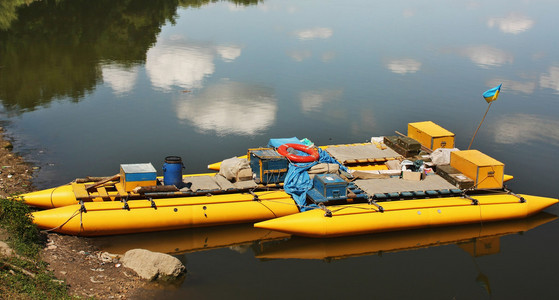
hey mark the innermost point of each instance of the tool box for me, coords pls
(454, 176)
(267, 165)
(328, 187)
(431, 135)
(135, 175)
(485, 171)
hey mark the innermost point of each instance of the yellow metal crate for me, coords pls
(135, 175)
(487, 172)
(431, 135)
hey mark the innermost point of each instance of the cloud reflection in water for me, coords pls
(176, 62)
(229, 108)
(404, 66)
(513, 23)
(120, 78)
(312, 101)
(551, 79)
(314, 33)
(486, 56)
(526, 128)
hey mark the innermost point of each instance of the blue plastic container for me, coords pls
(172, 171)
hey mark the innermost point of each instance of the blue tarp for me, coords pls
(278, 142)
(298, 182)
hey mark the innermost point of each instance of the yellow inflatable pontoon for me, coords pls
(345, 220)
(108, 218)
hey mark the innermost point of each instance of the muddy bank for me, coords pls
(87, 271)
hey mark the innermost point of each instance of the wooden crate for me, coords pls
(485, 171)
(431, 135)
(454, 176)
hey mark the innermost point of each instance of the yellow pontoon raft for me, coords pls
(392, 183)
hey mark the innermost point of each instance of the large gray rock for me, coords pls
(5, 250)
(152, 265)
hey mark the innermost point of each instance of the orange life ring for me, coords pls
(312, 153)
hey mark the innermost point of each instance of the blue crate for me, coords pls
(267, 165)
(330, 186)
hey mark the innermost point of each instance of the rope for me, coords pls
(73, 215)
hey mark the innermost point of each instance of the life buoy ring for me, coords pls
(312, 153)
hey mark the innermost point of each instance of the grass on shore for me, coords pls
(24, 275)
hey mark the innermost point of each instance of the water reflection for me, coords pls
(177, 242)
(525, 128)
(513, 23)
(299, 55)
(46, 55)
(121, 79)
(403, 66)
(229, 107)
(526, 87)
(8, 12)
(486, 56)
(62, 59)
(185, 67)
(551, 79)
(476, 239)
(178, 62)
(228, 52)
(312, 101)
(313, 33)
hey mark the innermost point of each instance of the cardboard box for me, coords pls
(431, 135)
(413, 176)
(485, 171)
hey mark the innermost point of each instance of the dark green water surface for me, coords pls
(88, 85)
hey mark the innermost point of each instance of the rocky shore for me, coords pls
(87, 271)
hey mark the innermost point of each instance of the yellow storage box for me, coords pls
(431, 135)
(487, 172)
(135, 175)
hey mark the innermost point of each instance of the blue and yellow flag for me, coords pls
(492, 94)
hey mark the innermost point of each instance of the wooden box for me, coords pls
(431, 135)
(485, 171)
(135, 175)
(409, 143)
(454, 176)
(394, 144)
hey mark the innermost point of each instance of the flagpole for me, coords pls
(489, 106)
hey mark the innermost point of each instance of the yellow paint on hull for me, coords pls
(407, 214)
(466, 235)
(108, 218)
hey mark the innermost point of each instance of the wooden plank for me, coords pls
(103, 195)
(79, 191)
(120, 189)
(102, 182)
